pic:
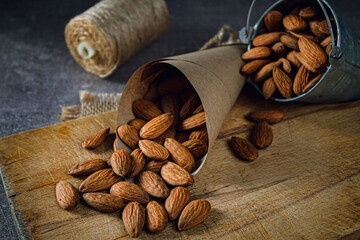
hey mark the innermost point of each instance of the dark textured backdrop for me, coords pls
(38, 74)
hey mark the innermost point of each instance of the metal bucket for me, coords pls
(341, 81)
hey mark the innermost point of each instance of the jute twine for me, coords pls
(109, 33)
(95, 103)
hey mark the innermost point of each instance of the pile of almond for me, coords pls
(292, 56)
(166, 138)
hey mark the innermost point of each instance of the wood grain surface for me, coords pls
(304, 186)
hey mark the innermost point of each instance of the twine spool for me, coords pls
(109, 33)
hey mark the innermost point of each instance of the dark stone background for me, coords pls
(38, 75)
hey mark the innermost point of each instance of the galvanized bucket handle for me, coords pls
(246, 32)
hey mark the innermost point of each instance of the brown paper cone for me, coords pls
(214, 74)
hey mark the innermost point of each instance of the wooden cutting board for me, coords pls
(306, 185)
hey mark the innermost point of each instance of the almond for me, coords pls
(326, 42)
(244, 149)
(182, 136)
(130, 192)
(308, 12)
(311, 55)
(176, 202)
(137, 123)
(87, 167)
(145, 109)
(195, 121)
(267, 39)
(153, 184)
(256, 52)
(278, 50)
(199, 109)
(312, 83)
(96, 139)
(302, 78)
(315, 29)
(196, 147)
(138, 162)
(100, 180)
(305, 35)
(120, 162)
(115, 146)
(170, 133)
(291, 56)
(295, 11)
(180, 154)
(189, 106)
(156, 126)
(193, 214)
(153, 150)
(283, 83)
(170, 104)
(289, 41)
(324, 27)
(273, 20)
(150, 79)
(268, 88)
(265, 72)
(67, 195)
(175, 175)
(154, 166)
(173, 84)
(152, 94)
(286, 65)
(270, 116)
(156, 217)
(103, 202)
(133, 217)
(201, 134)
(328, 49)
(294, 23)
(129, 135)
(262, 135)
(253, 66)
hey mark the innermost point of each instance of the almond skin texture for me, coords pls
(256, 52)
(154, 166)
(156, 126)
(278, 49)
(182, 136)
(115, 146)
(100, 180)
(145, 109)
(286, 65)
(137, 123)
(283, 83)
(169, 133)
(96, 139)
(138, 162)
(153, 150)
(199, 109)
(196, 147)
(67, 195)
(152, 184)
(305, 35)
(265, 72)
(193, 214)
(326, 42)
(253, 66)
(312, 83)
(324, 27)
(180, 154)
(133, 217)
(175, 175)
(152, 94)
(302, 78)
(195, 121)
(176, 202)
(311, 55)
(270, 116)
(262, 135)
(267, 39)
(103, 202)
(308, 12)
(268, 88)
(273, 20)
(120, 162)
(129, 135)
(294, 23)
(315, 29)
(130, 192)
(289, 41)
(87, 167)
(201, 134)
(244, 149)
(156, 217)
(291, 56)
(189, 106)
(170, 104)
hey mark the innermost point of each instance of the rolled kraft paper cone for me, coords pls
(214, 74)
(109, 33)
